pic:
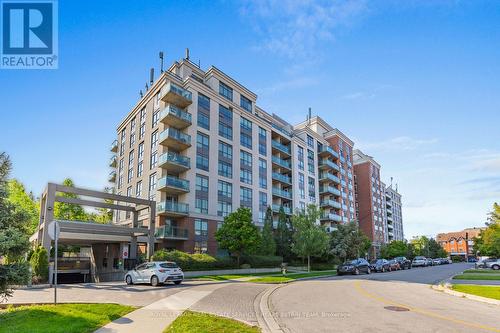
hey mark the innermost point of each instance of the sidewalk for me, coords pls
(157, 316)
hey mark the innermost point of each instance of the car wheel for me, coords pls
(340, 274)
(177, 282)
(383, 269)
(368, 271)
(495, 267)
(356, 271)
(128, 280)
(154, 281)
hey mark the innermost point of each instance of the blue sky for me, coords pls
(414, 83)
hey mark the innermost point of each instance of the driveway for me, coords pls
(367, 303)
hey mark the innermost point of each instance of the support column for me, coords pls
(48, 215)
(151, 230)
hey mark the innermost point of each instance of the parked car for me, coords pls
(493, 264)
(379, 265)
(484, 262)
(355, 267)
(155, 273)
(403, 262)
(394, 265)
(429, 262)
(471, 259)
(419, 261)
(437, 261)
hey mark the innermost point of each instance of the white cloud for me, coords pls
(400, 143)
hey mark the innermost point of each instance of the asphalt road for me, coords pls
(366, 303)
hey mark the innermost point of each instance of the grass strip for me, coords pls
(484, 291)
(196, 322)
(489, 277)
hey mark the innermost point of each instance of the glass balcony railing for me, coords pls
(330, 203)
(329, 150)
(174, 158)
(282, 178)
(112, 176)
(114, 146)
(329, 176)
(172, 110)
(282, 193)
(176, 135)
(282, 162)
(112, 161)
(329, 189)
(171, 181)
(331, 217)
(282, 130)
(173, 93)
(169, 232)
(276, 208)
(281, 147)
(173, 207)
(331, 164)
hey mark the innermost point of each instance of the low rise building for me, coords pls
(459, 243)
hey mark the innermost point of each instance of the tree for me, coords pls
(488, 242)
(13, 237)
(284, 236)
(421, 245)
(310, 239)
(394, 249)
(24, 202)
(435, 250)
(67, 211)
(348, 242)
(40, 264)
(238, 234)
(268, 245)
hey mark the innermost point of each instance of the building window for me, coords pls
(202, 183)
(201, 194)
(245, 158)
(130, 175)
(302, 190)
(138, 189)
(312, 190)
(152, 187)
(225, 169)
(246, 124)
(201, 228)
(122, 142)
(154, 160)
(246, 140)
(226, 91)
(225, 122)
(142, 131)
(310, 161)
(246, 197)
(224, 208)
(225, 189)
(246, 176)
(310, 141)
(201, 206)
(245, 103)
(140, 152)
(262, 206)
(203, 111)
(300, 157)
(140, 167)
(262, 141)
(156, 118)
(262, 173)
(202, 151)
(132, 132)
(225, 150)
(201, 246)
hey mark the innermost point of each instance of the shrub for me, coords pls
(193, 262)
(257, 261)
(245, 266)
(40, 264)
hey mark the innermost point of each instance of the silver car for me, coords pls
(155, 273)
(493, 264)
(419, 261)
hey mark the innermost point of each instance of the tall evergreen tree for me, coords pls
(283, 236)
(268, 244)
(24, 202)
(13, 237)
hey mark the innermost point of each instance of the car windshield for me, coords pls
(168, 265)
(351, 262)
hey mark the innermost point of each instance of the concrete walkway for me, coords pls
(157, 316)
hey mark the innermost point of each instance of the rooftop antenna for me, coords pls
(161, 61)
(187, 53)
(391, 181)
(309, 116)
(151, 76)
(140, 93)
(147, 86)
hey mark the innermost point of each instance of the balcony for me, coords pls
(326, 164)
(281, 147)
(326, 151)
(176, 95)
(282, 193)
(282, 178)
(175, 139)
(389, 218)
(326, 176)
(169, 232)
(176, 117)
(174, 162)
(330, 203)
(173, 185)
(112, 161)
(281, 162)
(276, 208)
(170, 208)
(114, 146)
(281, 129)
(112, 177)
(331, 217)
(325, 189)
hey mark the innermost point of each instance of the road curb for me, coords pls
(264, 315)
(446, 289)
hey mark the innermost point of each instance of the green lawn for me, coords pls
(484, 291)
(292, 276)
(477, 277)
(482, 271)
(195, 322)
(231, 276)
(64, 318)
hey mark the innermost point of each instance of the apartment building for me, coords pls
(393, 214)
(459, 243)
(370, 199)
(198, 144)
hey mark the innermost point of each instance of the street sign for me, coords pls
(53, 230)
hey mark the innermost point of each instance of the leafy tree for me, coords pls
(284, 236)
(488, 242)
(348, 242)
(421, 246)
(24, 202)
(238, 234)
(67, 211)
(40, 264)
(13, 237)
(435, 250)
(310, 239)
(394, 249)
(268, 245)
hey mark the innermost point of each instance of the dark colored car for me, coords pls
(379, 265)
(355, 267)
(403, 262)
(394, 265)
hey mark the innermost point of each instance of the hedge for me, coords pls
(201, 262)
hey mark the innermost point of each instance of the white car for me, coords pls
(419, 261)
(493, 264)
(155, 273)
